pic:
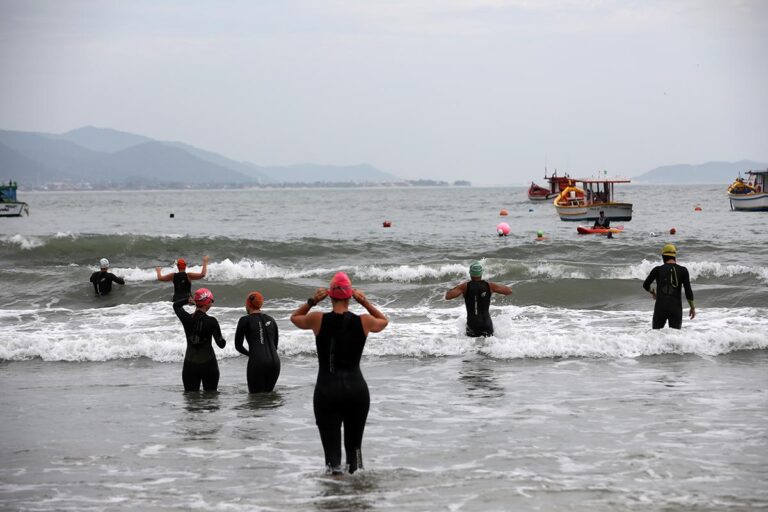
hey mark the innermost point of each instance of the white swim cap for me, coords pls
(104, 262)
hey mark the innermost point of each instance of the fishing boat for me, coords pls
(9, 205)
(749, 195)
(556, 184)
(595, 195)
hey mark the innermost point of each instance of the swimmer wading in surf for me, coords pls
(670, 279)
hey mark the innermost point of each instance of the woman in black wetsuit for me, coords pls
(341, 393)
(182, 280)
(260, 331)
(199, 360)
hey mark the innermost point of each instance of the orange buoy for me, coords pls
(387, 224)
(503, 212)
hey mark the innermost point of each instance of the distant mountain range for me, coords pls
(710, 172)
(102, 157)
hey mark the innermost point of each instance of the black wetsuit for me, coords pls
(199, 360)
(477, 299)
(182, 286)
(341, 393)
(102, 281)
(260, 331)
(670, 279)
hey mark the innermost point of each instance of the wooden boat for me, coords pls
(749, 195)
(594, 196)
(556, 184)
(9, 205)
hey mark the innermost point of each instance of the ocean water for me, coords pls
(574, 404)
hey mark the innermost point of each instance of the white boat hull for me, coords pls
(12, 209)
(757, 202)
(581, 213)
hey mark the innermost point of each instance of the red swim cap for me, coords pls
(181, 263)
(341, 286)
(203, 297)
(254, 301)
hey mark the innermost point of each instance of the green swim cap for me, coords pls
(539, 233)
(476, 269)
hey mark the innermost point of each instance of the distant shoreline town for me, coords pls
(52, 187)
(91, 158)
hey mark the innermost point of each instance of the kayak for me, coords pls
(584, 230)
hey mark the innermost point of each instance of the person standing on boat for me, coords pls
(670, 279)
(102, 279)
(477, 299)
(602, 221)
(182, 281)
(341, 394)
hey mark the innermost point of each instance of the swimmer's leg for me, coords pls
(191, 377)
(354, 426)
(210, 376)
(328, 420)
(676, 319)
(659, 318)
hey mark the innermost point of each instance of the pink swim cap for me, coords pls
(341, 286)
(203, 297)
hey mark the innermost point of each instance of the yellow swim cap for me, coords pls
(669, 250)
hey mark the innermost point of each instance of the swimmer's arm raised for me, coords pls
(203, 271)
(457, 291)
(303, 319)
(375, 321)
(500, 288)
(161, 277)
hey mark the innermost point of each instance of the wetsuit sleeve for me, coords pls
(239, 335)
(651, 278)
(118, 280)
(178, 308)
(687, 286)
(95, 283)
(273, 330)
(220, 341)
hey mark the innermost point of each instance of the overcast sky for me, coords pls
(485, 90)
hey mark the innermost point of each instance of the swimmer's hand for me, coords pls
(320, 294)
(692, 313)
(359, 297)
(653, 294)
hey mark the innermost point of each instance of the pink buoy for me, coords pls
(502, 229)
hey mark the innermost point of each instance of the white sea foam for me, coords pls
(151, 330)
(697, 270)
(24, 242)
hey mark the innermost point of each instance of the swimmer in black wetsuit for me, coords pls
(103, 279)
(182, 280)
(260, 331)
(199, 360)
(477, 299)
(341, 393)
(670, 279)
